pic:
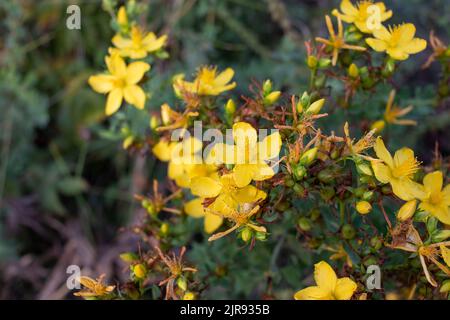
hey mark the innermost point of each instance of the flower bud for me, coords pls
(230, 107)
(299, 107)
(299, 172)
(363, 207)
(367, 196)
(325, 176)
(324, 63)
(311, 61)
(182, 283)
(153, 123)
(378, 125)
(127, 142)
(353, 71)
(309, 156)
(305, 99)
(189, 296)
(261, 236)
(139, 271)
(304, 224)
(364, 168)
(407, 210)
(246, 234)
(445, 286)
(267, 87)
(327, 193)
(315, 107)
(164, 229)
(128, 257)
(271, 98)
(441, 236)
(122, 18)
(348, 232)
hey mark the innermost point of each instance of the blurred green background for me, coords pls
(66, 184)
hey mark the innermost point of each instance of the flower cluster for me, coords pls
(249, 182)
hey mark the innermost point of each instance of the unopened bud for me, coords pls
(272, 97)
(267, 87)
(363, 207)
(353, 71)
(139, 271)
(246, 234)
(309, 156)
(230, 107)
(407, 210)
(311, 62)
(182, 283)
(316, 106)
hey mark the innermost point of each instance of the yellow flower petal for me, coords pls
(113, 101)
(445, 252)
(243, 174)
(262, 171)
(249, 194)
(382, 153)
(121, 42)
(116, 65)
(406, 189)
(414, 46)
(345, 287)
(382, 171)
(433, 182)
(212, 222)
(313, 293)
(102, 83)
(377, 44)
(205, 187)
(270, 147)
(243, 131)
(194, 208)
(135, 71)
(403, 155)
(397, 54)
(163, 150)
(348, 8)
(325, 276)
(406, 32)
(382, 33)
(135, 95)
(224, 77)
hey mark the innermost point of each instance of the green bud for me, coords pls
(324, 63)
(129, 257)
(314, 214)
(305, 99)
(299, 189)
(370, 261)
(326, 176)
(299, 172)
(261, 236)
(319, 81)
(445, 286)
(367, 196)
(267, 87)
(271, 98)
(348, 232)
(432, 224)
(230, 107)
(441, 235)
(182, 283)
(315, 107)
(327, 193)
(364, 168)
(289, 182)
(246, 234)
(386, 189)
(309, 156)
(304, 224)
(376, 243)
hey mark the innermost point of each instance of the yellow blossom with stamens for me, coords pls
(393, 112)
(337, 41)
(397, 171)
(121, 83)
(139, 44)
(94, 288)
(398, 41)
(226, 192)
(328, 285)
(207, 82)
(436, 199)
(360, 15)
(251, 155)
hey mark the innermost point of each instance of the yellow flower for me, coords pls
(251, 155)
(363, 207)
(225, 191)
(120, 83)
(360, 14)
(94, 288)
(397, 171)
(393, 112)
(207, 82)
(337, 41)
(173, 120)
(436, 200)
(139, 45)
(184, 159)
(397, 41)
(328, 286)
(407, 210)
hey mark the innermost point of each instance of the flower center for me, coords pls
(435, 198)
(406, 169)
(120, 82)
